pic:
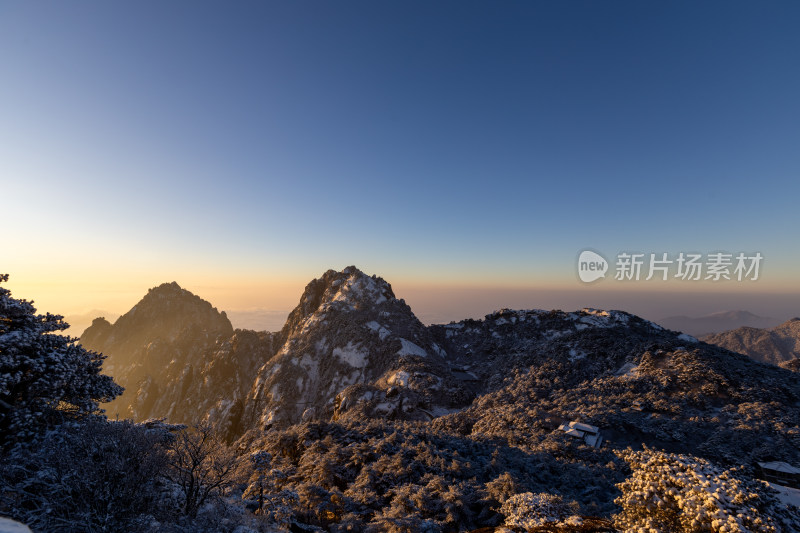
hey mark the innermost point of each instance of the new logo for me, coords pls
(591, 266)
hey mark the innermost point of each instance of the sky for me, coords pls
(467, 152)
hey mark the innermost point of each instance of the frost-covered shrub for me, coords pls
(406, 524)
(447, 504)
(672, 492)
(390, 475)
(502, 488)
(91, 475)
(529, 510)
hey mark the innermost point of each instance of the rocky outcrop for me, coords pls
(350, 346)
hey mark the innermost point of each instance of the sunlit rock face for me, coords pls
(161, 341)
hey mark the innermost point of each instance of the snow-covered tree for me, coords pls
(201, 465)
(44, 376)
(264, 493)
(673, 492)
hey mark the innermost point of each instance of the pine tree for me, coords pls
(45, 377)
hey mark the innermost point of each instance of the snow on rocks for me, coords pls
(628, 370)
(575, 355)
(359, 289)
(351, 355)
(382, 331)
(409, 348)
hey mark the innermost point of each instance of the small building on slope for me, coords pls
(780, 473)
(590, 434)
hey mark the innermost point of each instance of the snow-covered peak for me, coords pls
(342, 343)
(358, 289)
(348, 290)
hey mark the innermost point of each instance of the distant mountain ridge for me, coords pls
(258, 319)
(352, 351)
(776, 345)
(79, 322)
(349, 349)
(717, 322)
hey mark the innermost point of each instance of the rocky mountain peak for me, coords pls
(167, 310)
(167, 287)
(101, 322)
(349, 341)
(95, 335)
(350, 288)
(347, 290)
(168, 294)
(358, 289)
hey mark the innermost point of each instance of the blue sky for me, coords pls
(473, 143)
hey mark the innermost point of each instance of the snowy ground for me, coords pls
(9, 526)
(787, 495)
